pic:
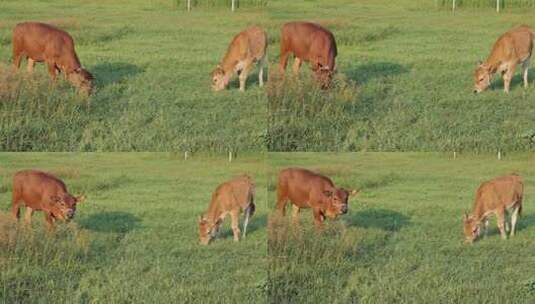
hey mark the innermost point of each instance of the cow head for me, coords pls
(207, 230)
(471, 228)
(336, 199)
(482, 75)
(220, 79)
(323, 76)
(63, 207)
(81, 79)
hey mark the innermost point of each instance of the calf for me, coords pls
(312, 43)
(512, 48)
(42, 191)
(230, 197)
(306, 189)
(39, 42)
(495, 196)
(245, 49)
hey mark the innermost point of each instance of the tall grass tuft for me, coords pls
(300, 112)
(34, 261)
(300, 256)
(36, 114)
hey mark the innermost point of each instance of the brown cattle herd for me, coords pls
(304, 189)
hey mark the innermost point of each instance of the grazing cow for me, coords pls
(40, 42)
(306, 189)
(309, 42)
(43, 191)
(495, 196)
(512, 48)
(230, 197)
(245, 49)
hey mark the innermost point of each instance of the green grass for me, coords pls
(152, 62)
(404, 82)
(402, 240)
(134, 240)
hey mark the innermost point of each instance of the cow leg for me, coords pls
(28, 216)
(295, 214)
(281, 203)
(501, 223)
(17, 57)
(52, 70)
(15, 200)
(49, 220)
(29, 68)
(525, 69)
(261, 71)
(235, 218)
(514, 217)
(507, 77)
(318, 218)
(283, 59)
(296, 66)
(243, 76)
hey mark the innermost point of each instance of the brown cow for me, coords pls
(309, 42)
(40, 42)
(495, 196)
(245, 49)
(42, 191)
(306, 189)
(230, 197)
(512, 48)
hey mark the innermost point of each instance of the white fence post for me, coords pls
(186, 155)
(499, 155)
(453, 7)
(454, 155)
(189, 5)
(497, 6)
(230, 156)
(233, 5)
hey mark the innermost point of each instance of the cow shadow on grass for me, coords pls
(364, 73)
(111, 221)
(114, 72)
(384, 219)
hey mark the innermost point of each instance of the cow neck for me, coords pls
(493, 64)
(478, 212)
(213, 212)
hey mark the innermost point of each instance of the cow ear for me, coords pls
(80, 198)
(328, 193)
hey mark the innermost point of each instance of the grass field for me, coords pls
(135, 239)
(404, 81)
(402, 240)
(152, 61)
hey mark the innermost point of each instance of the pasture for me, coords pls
(404, 81)
(152, 62)
(402, 239)
(135, 238)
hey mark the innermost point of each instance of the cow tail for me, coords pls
(249, 211)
